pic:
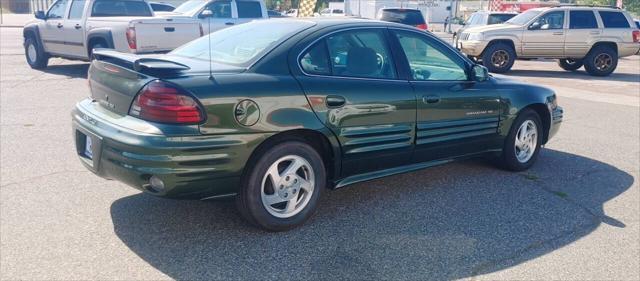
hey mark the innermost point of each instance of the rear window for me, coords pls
(408, 17)
(582, 20)
(614, 19)
(161, 7)
(249, 9)
(243, 44)
(109, 8)
(499, 18)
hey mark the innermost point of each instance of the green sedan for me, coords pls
(274, 112)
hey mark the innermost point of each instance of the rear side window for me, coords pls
(57, 9)
(614, 19)
(249, 9)
(77, 6)
(408, 17)
(582, 20)
(499, 18)
(109, 8)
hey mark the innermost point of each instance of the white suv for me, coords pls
(575, 35)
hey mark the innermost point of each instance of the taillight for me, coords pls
(636, 36)
(422, 26)
(131, 37)
(164, 103)
(201, 31)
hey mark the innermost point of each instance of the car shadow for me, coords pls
(447, 222)
(70, 70)
(579, 74)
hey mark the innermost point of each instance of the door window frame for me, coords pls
(386, 37)
(445, 49)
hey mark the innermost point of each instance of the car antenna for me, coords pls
(207, 13)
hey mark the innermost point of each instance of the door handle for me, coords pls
(59, 25)
(78, 26)
(228, 23)
(335, 101)
(169, 29)
(430, 99)
(558, 33)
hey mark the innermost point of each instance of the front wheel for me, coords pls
(281, 190)
(35, 54)
(498, 58)
(570, 64)
(523, 143)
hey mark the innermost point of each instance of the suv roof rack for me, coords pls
(584, 5)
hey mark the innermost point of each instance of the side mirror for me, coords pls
(206, 14)
(535, 26)
(40, 15)
(480, 73)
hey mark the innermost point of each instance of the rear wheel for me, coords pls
(37, 58)
(98, 45)
(281, 190)
(498, 58)
(523, 143)
(601, 61)
(570, 64)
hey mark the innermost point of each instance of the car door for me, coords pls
(545, 35)
(53, 34)
(351, 82)
(248, 10)
(220, 18)
(74, 29)
(583, 30)
(455, 115)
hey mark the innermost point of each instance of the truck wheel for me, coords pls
(37, 58)
(498, 58)
(522, 145)
(281, 190)
(570, 64)
(601, 61)
(95, 46)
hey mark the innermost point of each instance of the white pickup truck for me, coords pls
(73, 28)
(224, 13)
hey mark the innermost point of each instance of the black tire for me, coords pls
(594, 65)
(508, 159)
(41, 58)
(570, 64)
(498, 57)
(97, 45)
(249, 199)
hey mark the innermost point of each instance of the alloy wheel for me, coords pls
(500, 58)
(287, 186)
(603, 61)
(32, 53)
(526, 141)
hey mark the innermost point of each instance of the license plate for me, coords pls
(88, 150)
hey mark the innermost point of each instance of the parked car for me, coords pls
(482, 18)
(575, 35)
(292, 13)
(161, 7)
(225, 13)
(73, 28)
(412, 17)
(275, 118)
(329, 12)
(274, 14)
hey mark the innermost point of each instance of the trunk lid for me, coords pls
(152, 33)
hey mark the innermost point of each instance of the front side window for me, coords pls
(614, 19)
(241, 45)
(499, 18)
(57, 10)
(582, 20)
(109, 8)
(428, 60)
(77, 7)
(552, 20)
(360, 53)
(524, 18)
(316, 60)
(249, 9)
(220, 9)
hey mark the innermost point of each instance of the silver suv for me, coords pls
(575, 35)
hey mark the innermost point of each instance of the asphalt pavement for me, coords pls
(574, 215)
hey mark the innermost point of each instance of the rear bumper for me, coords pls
(628, 49)
(131, 150)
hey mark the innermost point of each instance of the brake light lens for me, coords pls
(131, 37)
(164, 103)
(422, 26)
(636, 36)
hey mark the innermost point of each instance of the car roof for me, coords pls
(579, 7)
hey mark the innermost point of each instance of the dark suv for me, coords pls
(412, 17)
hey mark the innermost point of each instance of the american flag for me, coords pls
(495, 5)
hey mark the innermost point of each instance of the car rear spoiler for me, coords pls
(139, 64)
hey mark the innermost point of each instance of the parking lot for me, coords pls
(575, 215)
